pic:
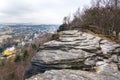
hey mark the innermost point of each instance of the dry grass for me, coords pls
(55, 36)
(109, 38)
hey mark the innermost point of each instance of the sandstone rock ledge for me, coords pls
(71, 75)
(76, 56)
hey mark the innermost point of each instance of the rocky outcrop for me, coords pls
(73, 56)
(71, 75)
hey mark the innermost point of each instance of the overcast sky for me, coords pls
(38, 11)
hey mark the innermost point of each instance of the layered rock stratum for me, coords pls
(76, 55)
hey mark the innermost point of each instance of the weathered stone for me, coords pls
(117, 50)
(114, 58)
(118, 66)
(55, 59)
(52, 43)
(119, 59)
(99, 58)
(109, 47)
(70, 75)
(57, 44)
(104, 41)
(53, 55)
(74, 35)
(68, 39)
(90, 61)
(108, 69)
(88, 36)
(64, 59)
(88, 54)
(90, 48)
(70, 32)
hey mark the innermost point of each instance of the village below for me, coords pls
(13, 36)
(17, 41)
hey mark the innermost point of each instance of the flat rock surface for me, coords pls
(74, 55)
(57, 55)
(70, 75)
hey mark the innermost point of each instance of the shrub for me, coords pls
(25, 54)
(34, 46)
(1, 49)
(63, 27)
(55, 36)
(17, 58)
(11, 75)
(1, 64)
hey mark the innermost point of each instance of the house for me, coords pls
(9, 51)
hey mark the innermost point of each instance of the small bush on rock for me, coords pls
(55, 36)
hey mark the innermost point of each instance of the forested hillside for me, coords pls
(103, 17)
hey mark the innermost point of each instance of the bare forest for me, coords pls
(103, 17)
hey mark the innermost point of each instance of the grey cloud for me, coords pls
(16, 9)
(38, 11)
